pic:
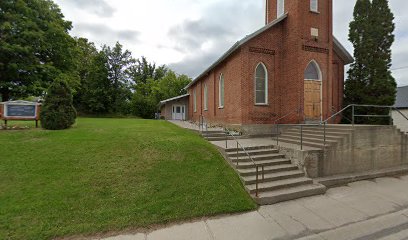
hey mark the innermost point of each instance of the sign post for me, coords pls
(20, 110)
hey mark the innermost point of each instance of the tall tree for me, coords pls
(382, 87)
(94, 94)
(369, 78)
(118, 65)
(35, 47)
(358, 74)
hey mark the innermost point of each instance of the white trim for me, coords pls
(266, 85)
(221, 94)
(20, 103)
(182, 113)
(314, 3)
(175, 98)
(319, 71)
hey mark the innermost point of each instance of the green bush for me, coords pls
(58, 112)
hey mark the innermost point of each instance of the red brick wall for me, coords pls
(285, 50)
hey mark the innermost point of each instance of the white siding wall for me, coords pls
(400, 121)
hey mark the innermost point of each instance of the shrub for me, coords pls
(58, 112)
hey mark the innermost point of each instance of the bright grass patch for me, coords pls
(108, 175)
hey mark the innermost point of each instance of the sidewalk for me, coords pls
(361, 210)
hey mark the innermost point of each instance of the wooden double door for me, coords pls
(313, 100)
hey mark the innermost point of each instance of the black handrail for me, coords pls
(228, 133)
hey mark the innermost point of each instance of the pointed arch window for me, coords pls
(195, 100)
(261, 84)
(221, 91)
(313, 72)
(205, 97)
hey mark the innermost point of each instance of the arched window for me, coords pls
(195, 100)
(312, 71)
(261, 84)
(221, 91)
(205, 97)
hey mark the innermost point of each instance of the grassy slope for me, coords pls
(110, 174)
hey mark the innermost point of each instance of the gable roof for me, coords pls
(342, 52)
(402, 97)
(236, 46)
(338, 48)
(172, 99)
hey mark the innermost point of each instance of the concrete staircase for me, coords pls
(214, 135)
(280, 181)
(313, 136)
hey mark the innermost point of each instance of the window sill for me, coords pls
(220, 107)
(315, 12)
(205, 110)
(261, 104)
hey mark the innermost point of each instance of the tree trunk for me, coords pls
(5, 95)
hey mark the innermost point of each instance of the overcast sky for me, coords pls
(189, 35)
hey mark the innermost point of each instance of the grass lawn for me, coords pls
(110, 175)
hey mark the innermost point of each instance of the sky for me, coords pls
(189, 35)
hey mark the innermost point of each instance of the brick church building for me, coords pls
(293, 64)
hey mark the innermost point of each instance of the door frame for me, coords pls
(182, 112)
(321, 97)
(320, 75)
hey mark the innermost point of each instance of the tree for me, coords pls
(369, 78)
(35, 47)
(382, 87)
(58, 113)
(118, 65)
(94, 94)
(148, 95)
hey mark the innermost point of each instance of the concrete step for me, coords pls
(274, 176)
(262, 157)
(254, 152)
(267, 170)
(214, 135)
(315, 135)
(333, 132)
(279, 184)
(292, 193)
(305, 143)
(317, 139)
(214, 139)
(249, 148)
(265, 163)
(213, 132)
(317, 126)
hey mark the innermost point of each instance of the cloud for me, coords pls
(98, 7)
(204, 40)
(193, 65)
(105, 34)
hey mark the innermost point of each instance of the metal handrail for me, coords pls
(403, 115)
(287, 115)
(228, 133)
(297, 110)
(353, 106)
(201, 124)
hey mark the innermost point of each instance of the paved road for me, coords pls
(367, 210)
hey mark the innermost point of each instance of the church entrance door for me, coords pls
(313, 100)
